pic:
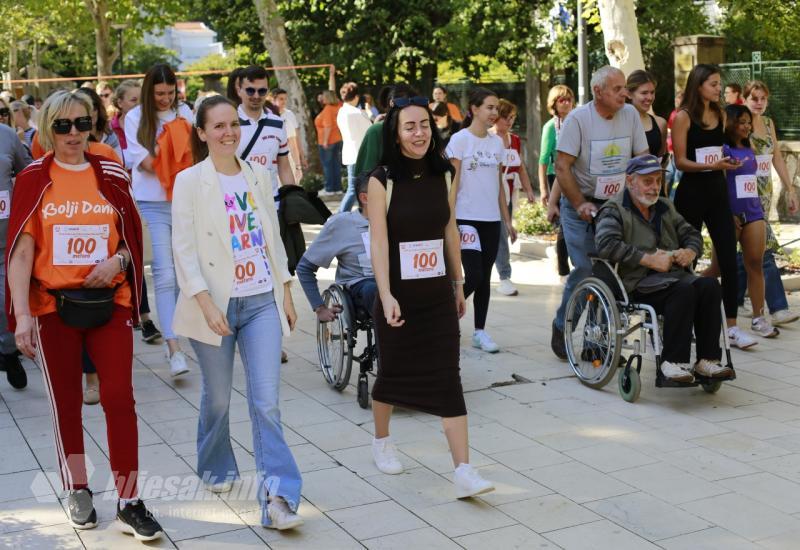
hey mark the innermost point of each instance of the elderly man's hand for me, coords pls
(683, 257)
(659, 260)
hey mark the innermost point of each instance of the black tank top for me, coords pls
(698, 138)
(653, 136)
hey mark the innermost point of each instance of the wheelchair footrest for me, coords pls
(699, 380)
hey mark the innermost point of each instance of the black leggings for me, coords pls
(478, 267)
(706, 200)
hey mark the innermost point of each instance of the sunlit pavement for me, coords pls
(574, 468)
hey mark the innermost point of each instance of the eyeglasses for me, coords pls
(252, 91)
(64, 125)
(401, 102)
(5, 111)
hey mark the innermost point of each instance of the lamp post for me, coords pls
(119, 27)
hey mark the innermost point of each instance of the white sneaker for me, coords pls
(506, 288)
(221, 487)
(746, 309)
(711, 369)
(178, 364)
(469, 482)
(482, 340)
(739, 339)
(324, 193)
(385, 456)
(678, 372)
(784, 316)
(280, 516)
(763, 327)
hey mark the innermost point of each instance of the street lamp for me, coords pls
(119, 27)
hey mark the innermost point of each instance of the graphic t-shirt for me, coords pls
(252, 274)
(74, 228)
(479, 185)
(270, 144)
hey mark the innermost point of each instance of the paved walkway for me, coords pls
(575, 468)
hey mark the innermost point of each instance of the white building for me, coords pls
(191, 40)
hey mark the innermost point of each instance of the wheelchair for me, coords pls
(601, 324)
(336, 344)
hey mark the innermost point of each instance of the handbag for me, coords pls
(85, 307)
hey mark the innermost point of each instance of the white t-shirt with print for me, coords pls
(291, 123)
(252, 273)
(479, 186)
(271, 144)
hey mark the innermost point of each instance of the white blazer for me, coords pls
(201, 245)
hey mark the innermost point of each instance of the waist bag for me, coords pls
(85, 307)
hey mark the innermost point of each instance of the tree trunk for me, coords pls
(281, 56)
(105, 51)
(533, 120)
(621, 34)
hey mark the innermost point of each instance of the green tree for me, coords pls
(770, 26)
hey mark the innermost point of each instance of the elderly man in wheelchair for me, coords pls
(654, 248)
(347, 305)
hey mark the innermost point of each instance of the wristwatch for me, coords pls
(123, 261)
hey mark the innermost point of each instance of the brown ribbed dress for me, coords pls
(419, 360)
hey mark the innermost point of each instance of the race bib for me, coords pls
(708, 155)
(608, 186)
(764, 166)
(469, 238)
(365, 260)
(5, 204)
(251, 272)
(511, 157)
(422, 259)
(365, 240)
(609, 156)
(80, 244)
(746, 187)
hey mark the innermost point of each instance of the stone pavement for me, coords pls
(575, 468)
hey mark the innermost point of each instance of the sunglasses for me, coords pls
(402, 102)
(105, 96)
(565, 99)
(64, 125)
(5, 111)
(252, 91)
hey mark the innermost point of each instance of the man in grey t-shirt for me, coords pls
(14, 157)
(594, 147)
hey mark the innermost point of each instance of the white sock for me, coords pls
(378, 439)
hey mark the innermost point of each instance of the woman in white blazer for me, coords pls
(234, 289)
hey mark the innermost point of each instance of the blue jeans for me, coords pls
(503, 260)
(331, 159)
(256, 328)
(349, 198)
(672, 176)
(363, 294)
(579, 236)
(774, 293)
(158, 215)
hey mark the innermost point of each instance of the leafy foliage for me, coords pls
(770, 26)
(531, 219)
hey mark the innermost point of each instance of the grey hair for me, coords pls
(601, 76)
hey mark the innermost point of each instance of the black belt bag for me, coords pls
(85, 307)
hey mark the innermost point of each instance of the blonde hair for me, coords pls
(557, 92)
(755, 85)
(329, 97)
(102, 85)
(123, 88)
(505, 108)
(57, 106)
(26, 109)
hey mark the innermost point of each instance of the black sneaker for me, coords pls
(82, 514)
(15, 374)
(557, 343)
(139, 522)
(149, 332)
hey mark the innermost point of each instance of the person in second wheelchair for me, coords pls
(654, 247)
(345, 236)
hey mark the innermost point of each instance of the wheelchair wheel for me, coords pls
(630, 386)
(363, 391)
(334, 342)
(712, 387)
(591, 329)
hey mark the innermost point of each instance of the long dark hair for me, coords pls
(692, 102)
(160, 73)
(200, 147)
(476, 98)
(232, 89)
(97, 103)
(733, 112)
(393, 158)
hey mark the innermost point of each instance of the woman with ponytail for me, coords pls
(481, 207)
(234, 290)
(144, 124)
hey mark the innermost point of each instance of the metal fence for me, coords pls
(783, 80)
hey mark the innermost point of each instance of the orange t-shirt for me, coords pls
(74, 229)
(327, 119)
(95, 148)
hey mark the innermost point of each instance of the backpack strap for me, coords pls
(448, 180)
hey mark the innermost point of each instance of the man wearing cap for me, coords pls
(594, 146)
(654, 247)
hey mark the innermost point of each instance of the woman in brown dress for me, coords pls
(415, 249)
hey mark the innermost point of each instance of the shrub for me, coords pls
(312, 181)
(531, 219)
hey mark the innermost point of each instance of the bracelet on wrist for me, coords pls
(458, 281)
